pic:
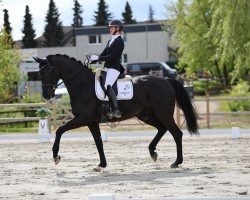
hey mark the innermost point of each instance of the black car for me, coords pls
(153, 68)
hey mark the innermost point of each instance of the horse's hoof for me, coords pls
(97, 169)
(174, 165)
(154, 157)
(57, 159)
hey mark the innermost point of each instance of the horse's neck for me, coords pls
(78, 77)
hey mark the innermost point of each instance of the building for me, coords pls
(144, 42)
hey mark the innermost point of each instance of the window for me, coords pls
(124, 58)
(95, 39)
(134, 67)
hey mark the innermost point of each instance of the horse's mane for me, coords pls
(77, 62)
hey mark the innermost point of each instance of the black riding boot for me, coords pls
(115, 112)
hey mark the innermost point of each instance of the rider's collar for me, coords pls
(113, 38)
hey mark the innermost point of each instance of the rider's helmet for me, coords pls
(117, 23)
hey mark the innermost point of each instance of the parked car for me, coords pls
(153, 68)
(61, 90)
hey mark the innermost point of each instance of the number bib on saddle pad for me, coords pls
(124, 86)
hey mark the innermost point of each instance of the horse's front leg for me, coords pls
(95, 131)
(76, 122)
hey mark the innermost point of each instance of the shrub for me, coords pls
(34, 98)
(43, 112)
(240, 90)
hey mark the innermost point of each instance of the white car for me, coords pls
(61, 90)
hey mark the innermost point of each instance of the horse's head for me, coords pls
(49, 78)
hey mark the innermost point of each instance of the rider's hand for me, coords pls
(93, 58)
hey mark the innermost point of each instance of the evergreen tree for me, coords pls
(6, 25)
(53, 32)
(28, 31)
(127, 15)
(151, 14)
(77, 20)
(102, 16)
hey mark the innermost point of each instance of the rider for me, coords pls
(112, 56)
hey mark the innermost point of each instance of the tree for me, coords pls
(28, 31)
(192, 26)
(127, 15)
(102, 16)
(6, 24)
(231, 34)
(214, 36)
(9, 62)
(196, 48)
(77, 19)
(53, 32)
(151, 14)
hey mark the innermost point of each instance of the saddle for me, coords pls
(123, 87)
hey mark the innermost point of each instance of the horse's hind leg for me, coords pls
(177, 135)
(95, 131)
(169, 124)
(155, 122)
(152, 146)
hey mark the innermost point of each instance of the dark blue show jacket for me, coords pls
(112, 54)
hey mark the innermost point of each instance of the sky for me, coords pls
(38, 10)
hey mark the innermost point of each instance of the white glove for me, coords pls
(93, 58)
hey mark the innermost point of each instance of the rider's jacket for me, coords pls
(112, 54)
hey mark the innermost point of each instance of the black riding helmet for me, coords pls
(117, 23)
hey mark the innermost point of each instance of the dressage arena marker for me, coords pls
(104, 136)
(235, 132)
(101, 196)
(43, 131)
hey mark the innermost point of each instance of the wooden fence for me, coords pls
(62, 113)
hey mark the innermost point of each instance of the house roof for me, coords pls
(131, 28)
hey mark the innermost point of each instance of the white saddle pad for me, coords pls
(125, 89)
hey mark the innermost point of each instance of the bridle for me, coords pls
(52, 73)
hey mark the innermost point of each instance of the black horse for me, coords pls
(153, 103)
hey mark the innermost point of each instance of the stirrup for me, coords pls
(113, 114)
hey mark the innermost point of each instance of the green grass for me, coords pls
(32, 127)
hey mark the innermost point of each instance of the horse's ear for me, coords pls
(39, 60)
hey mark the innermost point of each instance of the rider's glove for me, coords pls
(93, 58)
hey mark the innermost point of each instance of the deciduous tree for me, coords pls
(9, 62)
(231, 34)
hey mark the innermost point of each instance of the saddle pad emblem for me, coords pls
(125, 90)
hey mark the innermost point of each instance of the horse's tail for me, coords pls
(185, 103)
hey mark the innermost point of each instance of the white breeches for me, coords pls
(111, 77)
